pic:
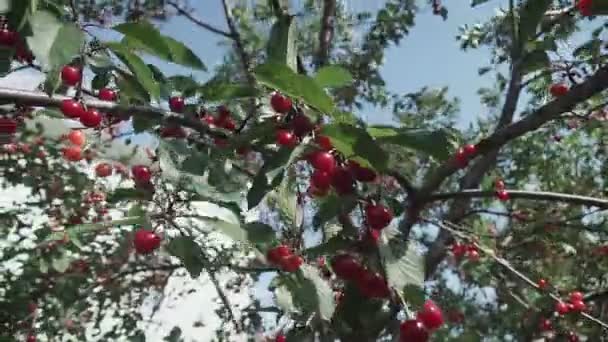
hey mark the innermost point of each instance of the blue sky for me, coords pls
(429, 56)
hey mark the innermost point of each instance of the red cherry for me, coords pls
(291, 263)
(320, 180)
(72, 153)
(572, 337)
(286, 138)
(71, 75)
(103, 170)
(209, 119)
(561, 308)
(559, 89)
(275, 255)
(346, 267)
(431, 315)
(502, 195)
(280, 338)
(141, 173)
(361, 173)
(223, 112)
(578, 306)
(31, 338)
(413, 331)
(107, 94)
(228, 124)
(146, 241)
(473, 256)
(8, 125)
(378, 216)
(343, 182)
(470, 150)
(324, 142)
(243, 150)
(542, 284)
(576, 296)
(77, 137)
(8, 37)
(462, 159)
(324, 161)
(373, 285)
(91, 118)
(280, 103)
(71, 108)
(458, 250)
(545, 325)
(585, 7)
(177, 104)
(301, 125)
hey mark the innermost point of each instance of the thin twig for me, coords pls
(197, 21)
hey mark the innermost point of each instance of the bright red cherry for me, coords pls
(8, 37)
(71, 108)
(346, 267)
(458, 250)
(177, 104)
(77, 137)
(430, 315)
(280, 103)
(585, 7)
(561, 308)
(545, 325)
(473, 256)
(373, 285)
(107, 94)
(8, 125)
(559, 89)
(462, 159)
(72, 153)
(413, 330)
(103, 170)
(31, 338)
(378, 216)
(146, 241)
(324, 161)
(286, 138)
(280, 338)
(576, 296)
(361, 173)
(320, 179)
(470, 150)
(578, 305)
(275, 255)
(141, 173)
(71, 75)
(343, 181)
(301, 125)
(209, 119)
(91, 118)
(291, 263)
(324, 142)
(228, 123)
(542, 284)
(502, 195)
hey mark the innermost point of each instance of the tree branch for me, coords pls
(326, 34)
(533, 195)
(199, 22)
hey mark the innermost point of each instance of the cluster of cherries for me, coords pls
(500, 189)
(371, 284)
(471, 251)
(428, 319)
(465, 154)
(576, 303)
(12, 39)
(283, 257)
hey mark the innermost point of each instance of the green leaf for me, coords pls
(100, 81)
(61, 263)
(330, 247)
(356, 142)
(309, 293)
(196, 164)
(186, 85)
(478, 2)
(6, 56)
(126, 194)
(54, 43)
(301, 87)
(333, 76)
(87, 228)
(130, 88)
(214, 91)
(147, 34)
(188, 252)
(530, 17)
(141, 123)
(181, 54)
(51, 113)
(438, 144)
(252, 233)
(282, 48)
(402, 264)
(140, 70)
(331, 206)
(535, 60)
(52, 82)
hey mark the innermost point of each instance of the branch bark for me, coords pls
(197, 21)
(326, 34)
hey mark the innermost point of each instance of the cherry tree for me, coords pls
(413, 231)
